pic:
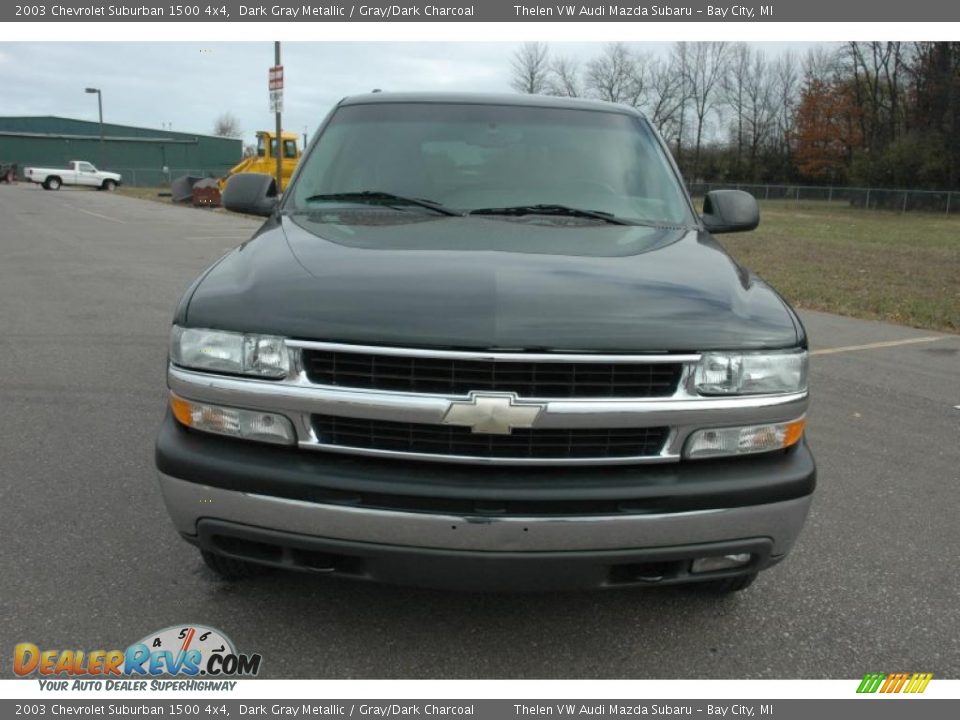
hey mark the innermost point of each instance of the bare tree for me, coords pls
(565, 78)
(666, 98)
(878, 70)
(680, 58)
(708, 63)
(786, 88)
(729, 110)
(762, 95)
(227, 125)
(820, 63)
(734, 85)
(617, 75)
(760, 115)
(531, 68)
(750, 90)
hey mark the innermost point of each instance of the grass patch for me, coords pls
(875, 264)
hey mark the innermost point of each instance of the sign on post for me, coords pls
(276, 77)
(275, 85)
(276, 101)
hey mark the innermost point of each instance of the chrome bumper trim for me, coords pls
(188, 502)
(430, 409)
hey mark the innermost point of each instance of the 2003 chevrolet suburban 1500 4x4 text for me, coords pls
(487, 342)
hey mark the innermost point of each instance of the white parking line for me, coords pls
(105, 217)
(873, 346)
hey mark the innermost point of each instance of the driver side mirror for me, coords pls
(251, 193)
(727, 211)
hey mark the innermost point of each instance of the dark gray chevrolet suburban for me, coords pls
(487, 342)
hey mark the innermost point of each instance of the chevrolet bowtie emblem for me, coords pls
(493, 414)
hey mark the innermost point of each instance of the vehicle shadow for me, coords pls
(351, 629)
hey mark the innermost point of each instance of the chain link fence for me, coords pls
(934, 201)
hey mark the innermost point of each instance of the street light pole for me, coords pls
(276, 52)
(100, 162)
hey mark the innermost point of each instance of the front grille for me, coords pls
(529, 379)
(541, 444)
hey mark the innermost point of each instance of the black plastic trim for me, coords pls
(473, 570)
(337, 478)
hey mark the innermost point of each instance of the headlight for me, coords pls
(726, 373)
(228, 352)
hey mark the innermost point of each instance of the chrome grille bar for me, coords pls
(497, 356)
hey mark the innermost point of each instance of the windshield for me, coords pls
(475, 157)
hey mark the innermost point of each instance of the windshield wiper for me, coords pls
(385, 198)
(553, 210)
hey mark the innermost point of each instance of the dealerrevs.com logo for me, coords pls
(181, 651)
(909, 683)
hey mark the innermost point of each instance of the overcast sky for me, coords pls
(190, 84)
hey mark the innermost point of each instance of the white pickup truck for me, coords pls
(79, 172)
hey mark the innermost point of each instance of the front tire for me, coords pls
(52, 183)
(230, 568)
(109, 185)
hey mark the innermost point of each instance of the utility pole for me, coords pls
(276, 52)
(100, 162)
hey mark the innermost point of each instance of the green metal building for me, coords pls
(144, 156)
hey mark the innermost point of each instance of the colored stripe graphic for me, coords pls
(870, 683)
(914, 683)
(894, 682)
(889, 682)
(922, 683)
(901, 679)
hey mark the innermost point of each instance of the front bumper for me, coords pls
(332, 514)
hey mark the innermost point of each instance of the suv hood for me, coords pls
(481, 283)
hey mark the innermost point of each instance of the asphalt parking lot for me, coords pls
(88, 284)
